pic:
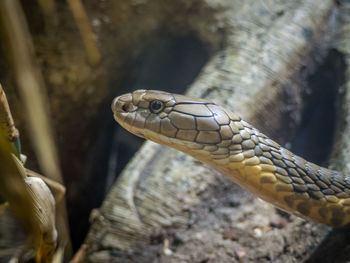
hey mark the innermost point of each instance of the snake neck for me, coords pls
(276, 175)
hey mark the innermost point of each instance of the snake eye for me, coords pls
(156, 106)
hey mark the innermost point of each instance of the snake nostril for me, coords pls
(125, 107)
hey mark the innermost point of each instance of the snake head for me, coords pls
(174, 120)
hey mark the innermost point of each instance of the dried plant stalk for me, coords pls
(6, 121)
(85, 31)
(14, 190)
(44, 237)
(48, 7)
(31, 86)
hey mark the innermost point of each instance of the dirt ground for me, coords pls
(225, 229)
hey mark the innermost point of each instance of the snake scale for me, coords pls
(223, 140)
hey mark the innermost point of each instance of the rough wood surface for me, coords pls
(165, 196)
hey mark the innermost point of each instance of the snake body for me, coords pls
(222, 139)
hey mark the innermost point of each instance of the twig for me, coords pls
(6, 121)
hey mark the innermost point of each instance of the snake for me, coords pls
(222, 139)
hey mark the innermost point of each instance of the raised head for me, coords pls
(178, 121)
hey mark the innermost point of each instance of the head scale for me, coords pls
(175, 120)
